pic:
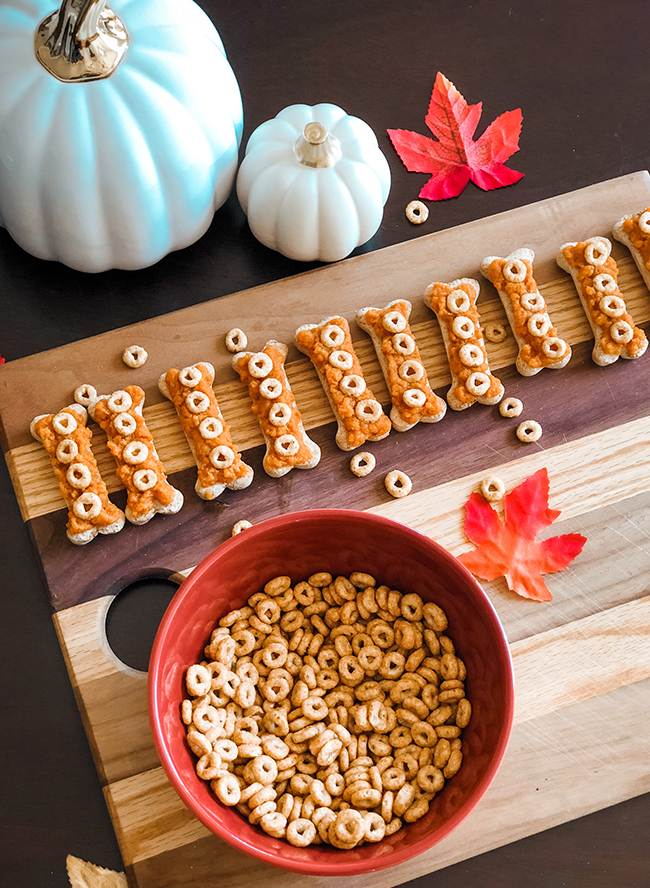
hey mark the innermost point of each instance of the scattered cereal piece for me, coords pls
(362, 464)
(398, 483)
(529, 431)
(243, 524)
(236, 340)
(85, 394)
(134, 356)
(493, 489)
(417, 212)
(495, 332)
(511, 407)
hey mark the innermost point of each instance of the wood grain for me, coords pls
(536, 788)
(46, 381)
(436, 459)
(581, 661)
(38, 491)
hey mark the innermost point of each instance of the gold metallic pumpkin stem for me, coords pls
(81, 41)
(316, 147)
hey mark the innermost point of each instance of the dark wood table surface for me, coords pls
(580, 74)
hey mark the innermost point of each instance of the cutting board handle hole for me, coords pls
(133, 618)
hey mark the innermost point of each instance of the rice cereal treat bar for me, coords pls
(218, 461)
(634, 232)
(67, 439)
(359, 414)
(328, 710)
(139, 467)
(287, 444)
(539, 344)
(595, 275)
(399, 358)
(454, 305)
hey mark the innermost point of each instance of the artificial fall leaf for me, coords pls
(455, 157)
(508, 548)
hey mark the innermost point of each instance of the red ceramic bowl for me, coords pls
(338, 541)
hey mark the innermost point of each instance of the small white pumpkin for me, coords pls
(119, 129)
(313, 183)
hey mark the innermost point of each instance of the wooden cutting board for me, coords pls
(582, 661)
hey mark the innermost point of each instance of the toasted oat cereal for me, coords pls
(495, 332)
(134, 356)
(240, 525)
(529, 431)
(398, 483)
(417, 212)
(493, 488)
(236, 340)
(511, 407)
(362, 464)
(329, 710)
(85, 394)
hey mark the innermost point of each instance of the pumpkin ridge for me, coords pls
(152, 214)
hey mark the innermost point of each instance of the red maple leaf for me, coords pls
(455, 157)
(508, 548)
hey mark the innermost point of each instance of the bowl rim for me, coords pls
(338, 867)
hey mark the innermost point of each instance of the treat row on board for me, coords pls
(359, 415)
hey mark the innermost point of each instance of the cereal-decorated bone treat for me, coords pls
(218, 460)
(454, 304)
(595, 275)
(399, 357)
(139, 467)
(537, 339)
(67, 440)
(358, 413)
(633, 231)
(328, 710)
(287, 444)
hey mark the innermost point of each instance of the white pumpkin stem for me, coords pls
(316, 147)
(83, 40)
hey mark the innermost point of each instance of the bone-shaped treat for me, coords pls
(538, 341)
(218, 461)
(67, 440)
(287, 444)
(399, 357)
(139, 467)
(595, 276)
(454, 305)
(358, 413)
(633, 231)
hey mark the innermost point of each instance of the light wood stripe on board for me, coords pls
(533, 790)
(553, 669)
(38, 492)
(586, 474)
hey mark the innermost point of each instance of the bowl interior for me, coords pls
(338, 541)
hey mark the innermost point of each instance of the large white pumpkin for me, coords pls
(313, 183)
(116, 172)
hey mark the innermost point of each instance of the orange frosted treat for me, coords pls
(538, 341)
(139, 467)
(399, 357)
(595, 275)
(67, 439)
(218, 461)
(287, 444)
(454, 304)
(634, 231)
(359, 414)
